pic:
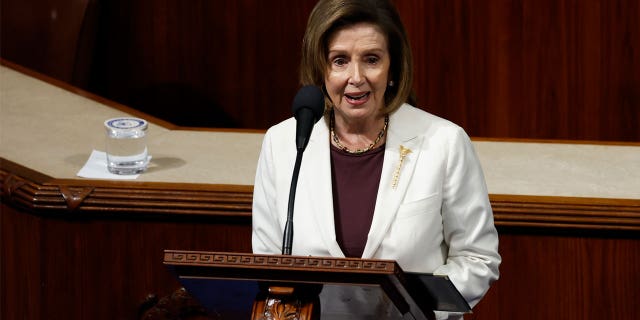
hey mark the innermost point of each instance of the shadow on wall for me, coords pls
(181, 105)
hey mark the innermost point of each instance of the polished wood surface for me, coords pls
(89, 249)
(540, 69)
(90, 196)
(558, 168)
(294, 282)
(59, 265)
(55, 37)
(566, 213)
(281, 303)
(120, 197)
(564, 275)
(92, 249)
(530, 68)
(98, 267)
(577, 257)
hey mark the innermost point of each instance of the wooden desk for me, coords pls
(568, 213)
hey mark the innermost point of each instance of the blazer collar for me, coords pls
(322, 208)
(401, 132)
(397, 171)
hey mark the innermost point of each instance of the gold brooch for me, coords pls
(396, 175)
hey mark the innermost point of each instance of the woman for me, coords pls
(380, 178)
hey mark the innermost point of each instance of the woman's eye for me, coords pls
(339, 61)
(372, 60)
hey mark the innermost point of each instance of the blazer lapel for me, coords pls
(320, 204)
(396, 175)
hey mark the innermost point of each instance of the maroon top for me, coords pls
(355, 188)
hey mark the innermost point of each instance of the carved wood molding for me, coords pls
(45, 196)
(566, 212)
(84, 196)
(283, 303)
(304, 274)
(271, 262)
(75, 196)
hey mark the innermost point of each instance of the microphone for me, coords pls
(307, 108)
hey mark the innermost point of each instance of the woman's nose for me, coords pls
(355, 75)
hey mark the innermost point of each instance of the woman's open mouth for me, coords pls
(357, 98)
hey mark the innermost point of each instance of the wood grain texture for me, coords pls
(99, 267)
(58, 197)
(55, 37)
(564, 276)
(20, 277)
(55, 197)
(221, 63)
(529, 69)
(537, 69)
(577, 257)
(595, 214)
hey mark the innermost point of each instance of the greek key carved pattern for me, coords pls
(226, 259)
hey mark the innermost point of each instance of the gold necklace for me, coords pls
(334, 136)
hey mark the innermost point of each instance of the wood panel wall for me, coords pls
(567, 69)
(561, 274)
(83, 249)
(54, 37)
(99, 266)
(65, 255)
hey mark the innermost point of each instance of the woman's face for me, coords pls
(358, 71)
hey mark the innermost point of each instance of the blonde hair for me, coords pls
(329, 16)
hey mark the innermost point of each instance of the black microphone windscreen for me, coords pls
(310, 97)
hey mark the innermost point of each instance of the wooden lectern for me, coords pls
(252, 286)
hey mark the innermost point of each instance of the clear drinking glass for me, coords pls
(126, 145)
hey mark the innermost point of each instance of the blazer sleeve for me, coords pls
(266, 236)
(469, 231)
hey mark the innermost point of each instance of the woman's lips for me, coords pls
(357, 98)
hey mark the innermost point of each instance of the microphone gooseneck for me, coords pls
(307, 108)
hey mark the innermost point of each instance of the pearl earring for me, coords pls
(391, 83)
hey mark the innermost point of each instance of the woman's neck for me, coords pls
(358, 134)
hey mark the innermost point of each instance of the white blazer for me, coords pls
(437, 219)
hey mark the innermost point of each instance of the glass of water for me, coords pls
(126, 145)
